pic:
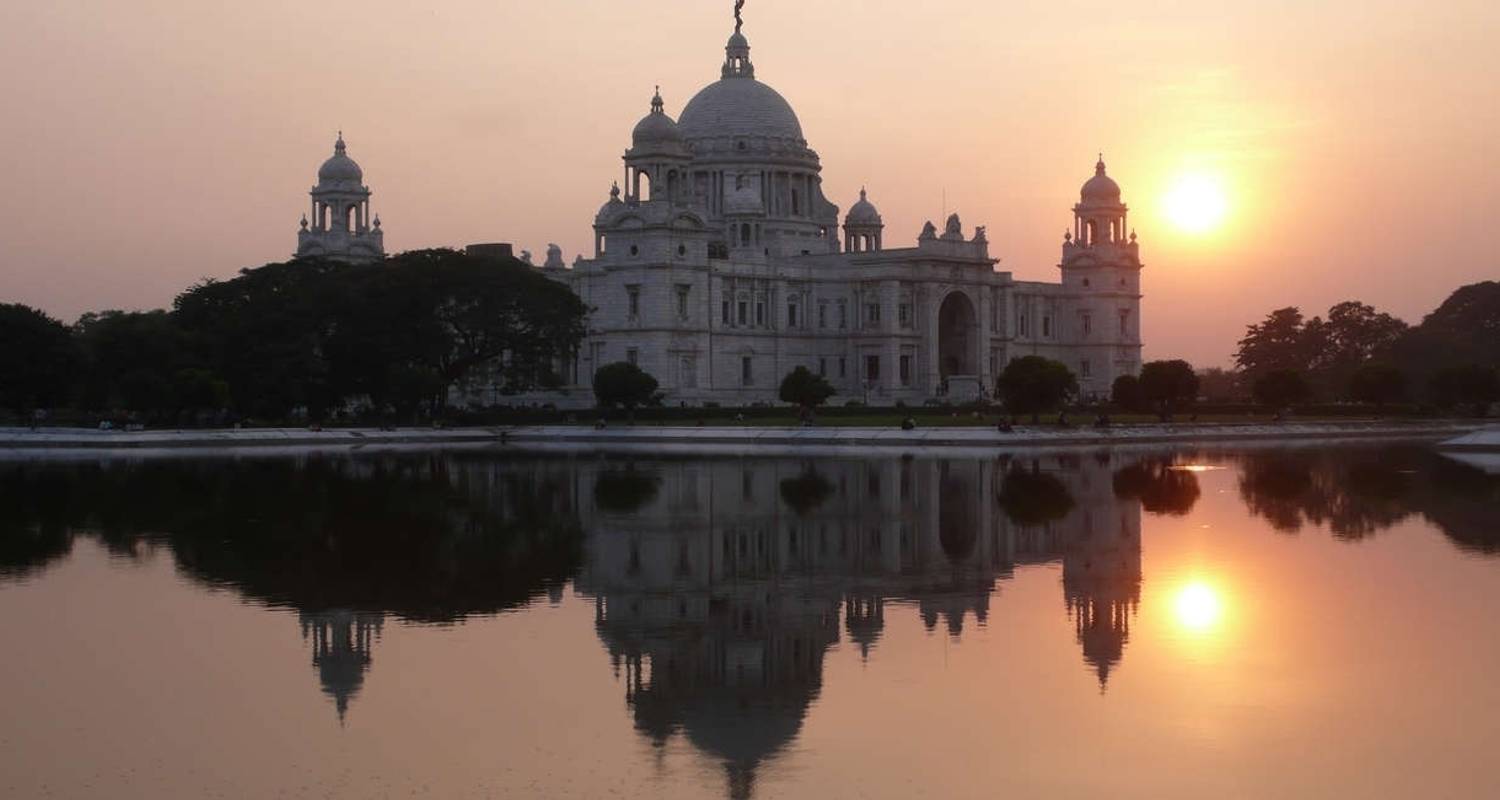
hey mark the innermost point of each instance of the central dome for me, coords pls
(739, 106)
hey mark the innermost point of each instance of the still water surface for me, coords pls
(1259, 623)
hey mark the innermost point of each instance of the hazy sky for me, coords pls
(149, 143)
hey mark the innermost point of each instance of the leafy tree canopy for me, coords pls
(801, 387)
(1032, 384)
(623, 384)
(38, 359)
(1168, 385)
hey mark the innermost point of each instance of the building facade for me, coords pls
(720, 267)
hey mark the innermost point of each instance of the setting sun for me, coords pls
(1197, 606)
(1196, 203)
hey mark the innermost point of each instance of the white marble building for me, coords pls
(720, 267)
(341, 228)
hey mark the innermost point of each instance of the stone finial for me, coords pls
(979, 236)
(304, 222)
(526, 257)
(954, 230)
(929, 232)
(554, 257)
(377, 222)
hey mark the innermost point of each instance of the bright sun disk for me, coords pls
(1197, 203)
(1197, 606)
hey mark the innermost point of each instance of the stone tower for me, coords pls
(341, 228)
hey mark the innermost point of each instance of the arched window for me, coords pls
(744, 233)
(351, 218)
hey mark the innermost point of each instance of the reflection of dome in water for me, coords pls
(341, 643)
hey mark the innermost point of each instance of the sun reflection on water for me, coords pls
(1198, 607)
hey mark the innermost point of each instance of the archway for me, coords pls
(956, 337)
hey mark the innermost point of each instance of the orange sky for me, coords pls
(151, 143)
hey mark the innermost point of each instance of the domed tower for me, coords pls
(341, 228)
(657, 158)
(1101, 272)
(863, 226)
(742, 131)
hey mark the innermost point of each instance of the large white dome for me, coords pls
(739, 106)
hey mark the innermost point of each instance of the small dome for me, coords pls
(614, 204)
(656, 128)
(863, 212)
(340, 167)
(1101, 189)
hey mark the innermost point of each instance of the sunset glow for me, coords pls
(1198, 607)
(1197, 203)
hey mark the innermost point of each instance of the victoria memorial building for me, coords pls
(718, 266)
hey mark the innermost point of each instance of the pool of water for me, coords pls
(1293, 622)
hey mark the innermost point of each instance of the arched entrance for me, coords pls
(956, 337)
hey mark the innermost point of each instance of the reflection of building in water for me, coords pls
(341, 644)
(1102, 582)
(718, 585)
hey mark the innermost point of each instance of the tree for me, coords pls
(1356, 333)
(1168, 385)
(1281, 388)
(1467, 385)
(1126, 393)
(1221, 385)
(1464, 330)
(38, 359)
(1378, 384)
(131, 361)
(623, 384)
(802, 388)
(1279, 342)
(1032, 384)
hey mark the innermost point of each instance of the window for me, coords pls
(791, 315)
(822, 314)
(760, 314)
(1088, 323)
(1086, 369)
(1086, 283)
(633, 296)
(689, 372)
(872, 313)
(903, 312)
(681, 249)
(747, 375)
(1021, 327)
(633, 356)
(1124, 322)
(843, 373)
(635, 251)
(822, 367)
(843, 314)
(872, 368)
(1047, 325)
(744, 313)
(906, 370)
(727, 318)
(682, 300)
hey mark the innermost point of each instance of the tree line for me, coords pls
(309, 337)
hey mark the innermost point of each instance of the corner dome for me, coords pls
(340, 168)
(736, 107)
(1100, 189)
(656, 128)
(863, 212)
